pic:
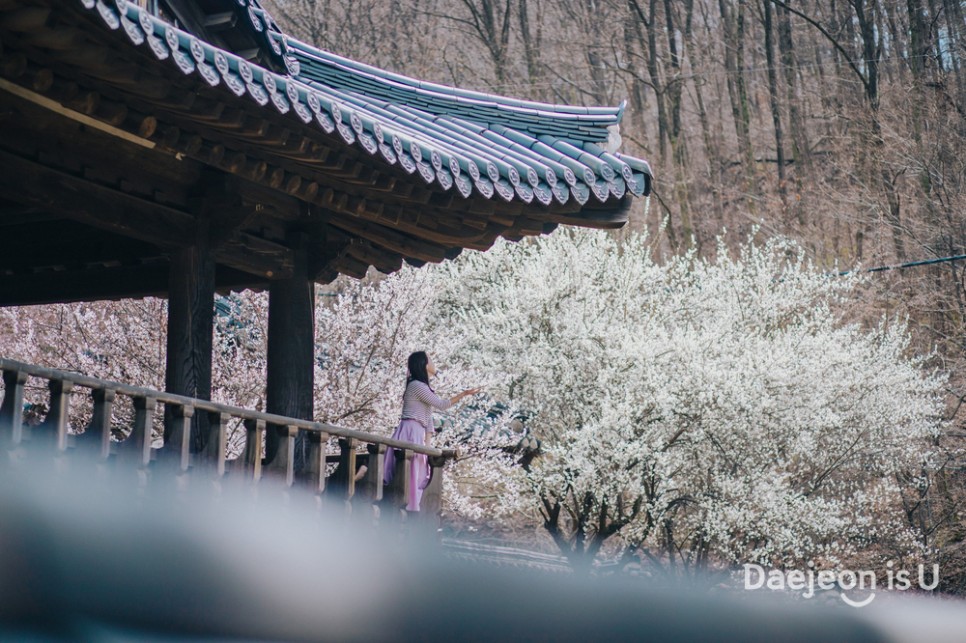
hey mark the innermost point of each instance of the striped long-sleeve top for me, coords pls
(419, 401)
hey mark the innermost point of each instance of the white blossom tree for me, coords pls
(698, 409)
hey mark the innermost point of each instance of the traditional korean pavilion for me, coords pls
(179, 149)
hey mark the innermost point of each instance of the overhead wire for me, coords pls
(908, 264)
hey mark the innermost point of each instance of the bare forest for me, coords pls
(838, 123)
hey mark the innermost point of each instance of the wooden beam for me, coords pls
(478, 236)
(25, 19)
(35, 184)
(219, 21)
(382, 260)
(67, 246)
(25, 214)
(150, 280)
(81, 118)
(219, 200)
(587, 218)
(115, 211)
(334, 161)
(276, 203)
(66, 145)
(255, 255)
(390, 239)
(87, 285)
(332, 172)
(350, 266)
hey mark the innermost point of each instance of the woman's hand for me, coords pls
(466, 393)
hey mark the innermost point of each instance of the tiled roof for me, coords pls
(478, 143)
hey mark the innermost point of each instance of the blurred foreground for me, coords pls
(90, 554)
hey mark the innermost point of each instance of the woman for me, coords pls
(416, 423)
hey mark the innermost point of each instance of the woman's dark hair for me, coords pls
(417, 368)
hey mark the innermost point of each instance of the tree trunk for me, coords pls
(653, 55)
(493, 28)
(531, 40)
(734, 32)
(711, 142)
(637, 93)
(647, 21)
(773, 96)
(954, 33)
(675, 91)
(801, 148)
(870, 49)
(918, 40)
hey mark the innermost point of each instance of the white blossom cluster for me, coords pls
(697, 408)
(122, 341)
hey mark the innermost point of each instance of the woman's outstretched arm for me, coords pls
(423, 393)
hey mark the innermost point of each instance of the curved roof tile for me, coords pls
(510, 148)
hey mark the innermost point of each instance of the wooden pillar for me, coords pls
(427, 521)
(291, 352)
(191, 304)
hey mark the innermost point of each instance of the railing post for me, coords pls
(314, 476)
(283, 464)
(177, 435)
(11, 413)
(97, 436)
(215, 449)
(399, 486)
(57, 416)
(140, 437)
(372, 483)
(432, 500)
(253, 449)
(347, 467)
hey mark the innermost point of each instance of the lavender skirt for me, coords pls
(410, 431)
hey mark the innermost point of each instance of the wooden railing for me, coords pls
(137, 450)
